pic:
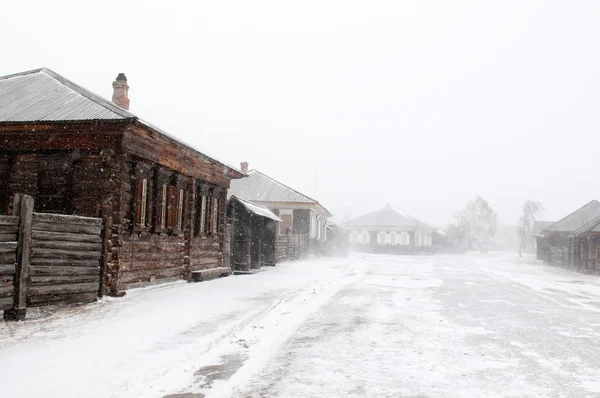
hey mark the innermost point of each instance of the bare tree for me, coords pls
(531, 211)
(477, 222)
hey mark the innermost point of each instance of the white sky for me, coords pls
(420, 104)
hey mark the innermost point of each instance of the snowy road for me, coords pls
(366, 326)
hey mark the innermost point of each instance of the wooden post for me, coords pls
(19, 310)
(106, 257)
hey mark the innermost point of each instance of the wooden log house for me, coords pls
(564, 242)
(79, 154)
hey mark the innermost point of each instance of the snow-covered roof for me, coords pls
(387, 217)
(577, 219)
(258, 187)
(42, 95)
(257, 209)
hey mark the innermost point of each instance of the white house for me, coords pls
(389, 230)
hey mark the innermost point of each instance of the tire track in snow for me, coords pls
(240, 353)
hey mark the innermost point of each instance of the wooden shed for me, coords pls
(253, 231)
(79, 154)
(562, 239)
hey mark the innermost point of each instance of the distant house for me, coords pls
(540, 243)
(390, 231)
(301, 215)
(77, 153)
(570, 239)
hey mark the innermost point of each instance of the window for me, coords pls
(173, 207)
(180, 210)
(163, 207)
(394, 239)
(207, 215)
(141, 197)
(215, 216)
(418, 239)
(366, 237)
(404, 239)
(388, 238)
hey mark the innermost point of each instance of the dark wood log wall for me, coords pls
(88, 165)
(206, 248)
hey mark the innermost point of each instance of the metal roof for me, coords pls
(388, 217)
(577, 219)
(258, 187)
(43, 95)
(257, 209)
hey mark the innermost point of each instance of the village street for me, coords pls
(364, 326)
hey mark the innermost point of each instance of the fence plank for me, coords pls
(65, 237)
(9, 220)
(88, 297)
(7, 269)
(75, 246)
(6, 291)
(35, 270)
(64, 279)
(8, 237)
(63, 219)
(68, 262)
(39, 290)
(6, 303)
(62, 254)
(69, 228)
(8, 247)
(8, 258)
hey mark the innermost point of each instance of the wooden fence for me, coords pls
(291, 247)
(47, 259)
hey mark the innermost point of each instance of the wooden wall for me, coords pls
(9, 226)
(85, 166)
(64, 260)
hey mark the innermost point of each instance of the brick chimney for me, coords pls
(244, 167)
(120, 91)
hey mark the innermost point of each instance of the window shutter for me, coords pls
(163, 207)
(215, 216)
(172, 207)
(180, 211)
(202, 214)
(140, 202)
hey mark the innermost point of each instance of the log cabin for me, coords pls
(388, 230)
(77, 153)
(301, 215)
(562, 239)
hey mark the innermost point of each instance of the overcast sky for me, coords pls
(420, 104)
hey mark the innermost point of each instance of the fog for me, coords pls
(420, 104)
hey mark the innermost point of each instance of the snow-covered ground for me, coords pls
(364, 326)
